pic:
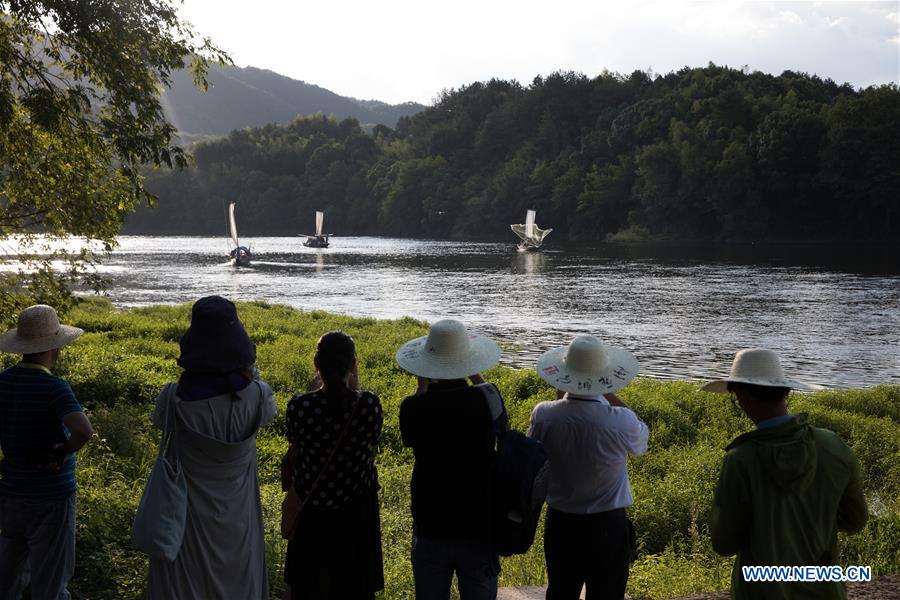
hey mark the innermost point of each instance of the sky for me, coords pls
(410, 50)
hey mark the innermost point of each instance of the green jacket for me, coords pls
(782, 495)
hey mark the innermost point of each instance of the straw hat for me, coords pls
(756, 366)
(587, 366)
(38, 331)
(449, 351)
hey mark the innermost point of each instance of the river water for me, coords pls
(832, 313)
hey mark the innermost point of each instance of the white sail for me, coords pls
(531, 234)
(320, 220)
(232, 228)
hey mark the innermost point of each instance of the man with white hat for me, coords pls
(588, 434)
(785, 488)
(451, 427)
(41, 427)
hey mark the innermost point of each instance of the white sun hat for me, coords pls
(39, 330)
(587, 366)
(756, 366)
(449, 351)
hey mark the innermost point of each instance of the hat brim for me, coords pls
(720, 386)
(13, 343)
(621, 368)
(414, 358)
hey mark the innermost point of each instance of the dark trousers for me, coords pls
(593, 550)
(434, 562)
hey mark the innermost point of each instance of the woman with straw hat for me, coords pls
(451, 427)
(588, 434)
(785, 488)
(216, 409)
(42, 426)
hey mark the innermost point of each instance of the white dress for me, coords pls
(223, 553)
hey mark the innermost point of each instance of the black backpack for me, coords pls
(519, 486)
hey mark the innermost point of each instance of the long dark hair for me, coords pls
(335, 355)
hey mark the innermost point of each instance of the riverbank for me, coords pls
(119, 365)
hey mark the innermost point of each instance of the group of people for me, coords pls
(784, 490)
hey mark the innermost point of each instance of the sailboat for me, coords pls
(531, 235)
(239, 255)
(319, 240)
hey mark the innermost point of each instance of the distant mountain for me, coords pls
(250, 97)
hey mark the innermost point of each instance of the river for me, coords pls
(831, 312)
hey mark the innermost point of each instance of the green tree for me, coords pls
(79, 117)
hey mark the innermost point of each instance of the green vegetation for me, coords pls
(702, 154)
(79, 116)
(122, 361)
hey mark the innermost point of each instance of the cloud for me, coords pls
(398, 50)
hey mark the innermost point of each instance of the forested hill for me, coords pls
(250, 97)
(706, 153)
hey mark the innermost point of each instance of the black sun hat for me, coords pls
(216, 341)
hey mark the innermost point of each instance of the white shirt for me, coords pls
(587, 442)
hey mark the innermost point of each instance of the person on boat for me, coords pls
(334, 550)
(785, 488)
(451, 427)
(240, 252)
(588, 434)
(218, 406)
(42, 426)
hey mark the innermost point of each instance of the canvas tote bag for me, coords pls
(158, 527)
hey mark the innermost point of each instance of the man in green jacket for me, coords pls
(785, 489)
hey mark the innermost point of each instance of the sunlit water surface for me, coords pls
(833, 314)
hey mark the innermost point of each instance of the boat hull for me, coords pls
(240, 256)
(312, 242)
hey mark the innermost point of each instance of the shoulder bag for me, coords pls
(158, 527)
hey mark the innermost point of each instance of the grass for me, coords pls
(120, 364)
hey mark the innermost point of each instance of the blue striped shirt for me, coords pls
(32, 404)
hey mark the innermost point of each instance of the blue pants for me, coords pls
(474, 562)
(37, 543)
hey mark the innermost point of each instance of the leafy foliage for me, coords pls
(121, 363)
(79, 116)
(704, 153)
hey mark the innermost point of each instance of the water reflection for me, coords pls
(683, 309)
(529, 263)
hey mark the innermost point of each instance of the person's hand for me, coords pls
(353, 381)
(614, 400)
(476, 379)
(315, 383)
(56, 458)
(422, 384)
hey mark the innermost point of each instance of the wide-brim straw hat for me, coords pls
(449, 351)
(38, 330)
(588, 367)
(756, 366)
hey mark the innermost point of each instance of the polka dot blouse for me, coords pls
(311, 425)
